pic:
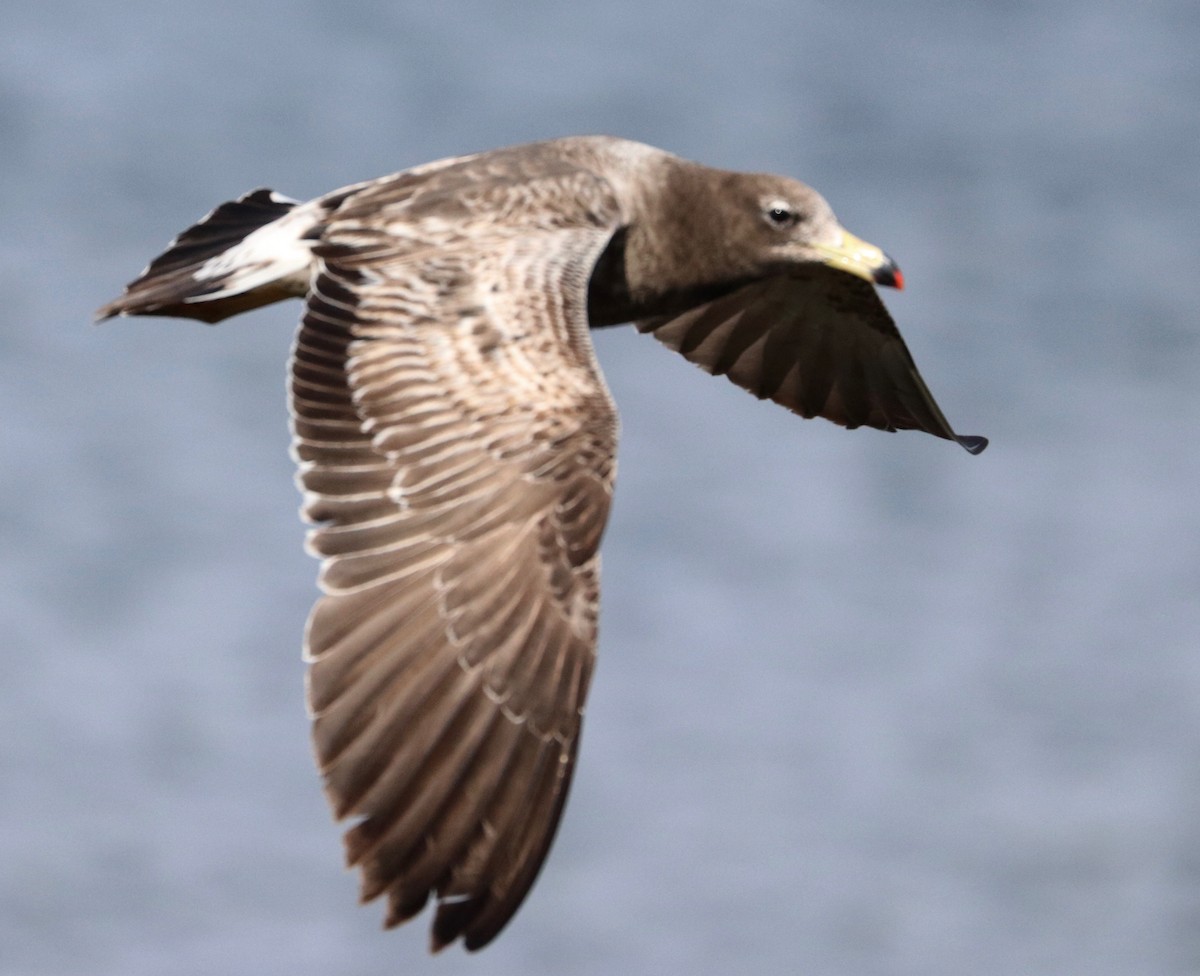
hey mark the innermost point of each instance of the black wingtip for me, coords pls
(972, 443)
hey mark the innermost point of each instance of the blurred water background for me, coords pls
(865, 704)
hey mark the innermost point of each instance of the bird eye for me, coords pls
(780, 214)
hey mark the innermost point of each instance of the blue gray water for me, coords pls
(865, 704)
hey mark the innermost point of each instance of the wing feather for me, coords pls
(456, 449)
(816, 340)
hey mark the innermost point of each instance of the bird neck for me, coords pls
(616, 296)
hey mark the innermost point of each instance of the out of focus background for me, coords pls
(865, 704)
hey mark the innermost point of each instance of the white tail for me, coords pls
(246, 253)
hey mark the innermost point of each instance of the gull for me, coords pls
(456, 446)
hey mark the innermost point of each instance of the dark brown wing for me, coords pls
(456, 444)
(818, 341)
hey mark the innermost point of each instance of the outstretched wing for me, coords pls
(457, 448)
(818, 341)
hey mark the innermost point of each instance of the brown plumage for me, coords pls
(456, 445)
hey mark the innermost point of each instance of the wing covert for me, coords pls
(457, 449)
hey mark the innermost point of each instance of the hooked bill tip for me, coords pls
(888, 274)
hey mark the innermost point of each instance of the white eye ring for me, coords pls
(779, 213)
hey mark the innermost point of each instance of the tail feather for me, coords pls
(246, 253)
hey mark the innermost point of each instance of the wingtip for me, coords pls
(104, 313)
(973, 443)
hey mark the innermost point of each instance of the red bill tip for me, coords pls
(888, 274)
